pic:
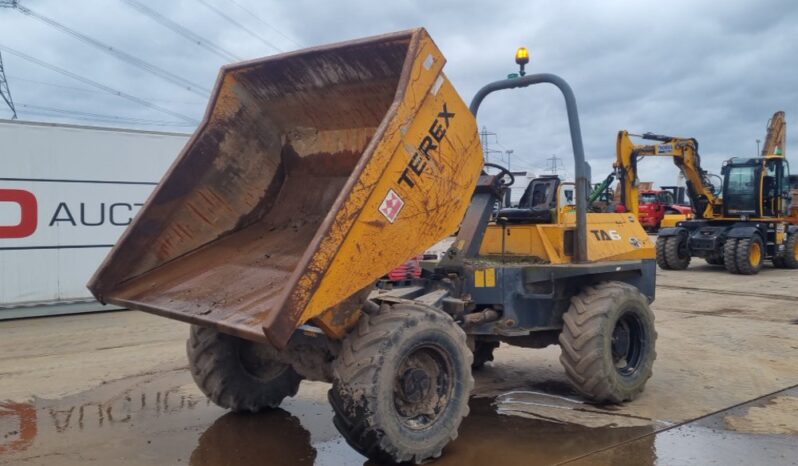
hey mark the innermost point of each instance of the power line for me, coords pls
(38, 109)
(124, 56)
(188, 34)
(5, 92)
(241, 26)
(91, 91)
(265, 23)
(92, 83)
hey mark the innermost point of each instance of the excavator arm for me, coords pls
(776, 137)
(684, 152)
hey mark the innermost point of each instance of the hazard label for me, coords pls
(391, 205)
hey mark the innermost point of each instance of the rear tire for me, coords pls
(483, 353)
(750, 255)
(608, 342)
(672, 252)
(730, 255)
(788, 259)
(401, 384)
(229, 371)
(714, 260)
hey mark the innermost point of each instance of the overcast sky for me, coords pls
(711, 70)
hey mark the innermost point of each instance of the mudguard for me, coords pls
(742, 232)
(676, 231)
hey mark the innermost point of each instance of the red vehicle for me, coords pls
(655, 204)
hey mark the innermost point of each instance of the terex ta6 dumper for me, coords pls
(312, 175)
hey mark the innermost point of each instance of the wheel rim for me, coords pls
(628, 343)
(423, 386)
(795, 253)
(755, 257)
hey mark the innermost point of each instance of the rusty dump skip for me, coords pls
(271, 214)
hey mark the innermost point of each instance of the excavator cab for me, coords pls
(757, 187)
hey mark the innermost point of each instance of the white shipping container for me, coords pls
(66, 194)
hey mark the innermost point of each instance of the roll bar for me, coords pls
(581, 167)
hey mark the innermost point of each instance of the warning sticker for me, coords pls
(391, 205)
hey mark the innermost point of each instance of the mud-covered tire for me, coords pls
(661, 261)
(730, 255)
(714, 260)
(671, 253)
(230, 373)
(750, 254)
(401, 384)
(483, 353)
(789, 258)
(676, 253)
(605, 360)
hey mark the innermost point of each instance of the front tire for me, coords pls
(401, 384)
(230, 372)
(750, 254)
(730, 255)
(672, 253)
(608, 342)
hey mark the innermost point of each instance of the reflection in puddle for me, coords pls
(163, 419)
(18, 426)
(248, 439)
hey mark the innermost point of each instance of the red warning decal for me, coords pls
(391, 205)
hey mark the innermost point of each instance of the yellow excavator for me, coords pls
(683, 151)
(739, 224)
(316, 172)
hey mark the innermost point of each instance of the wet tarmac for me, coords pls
(162, 419)
(113, 389)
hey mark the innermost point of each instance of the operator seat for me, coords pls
(537, 204)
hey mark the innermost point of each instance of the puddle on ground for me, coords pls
(164, 420)
(767, 439)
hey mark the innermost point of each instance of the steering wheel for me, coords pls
(503, 172)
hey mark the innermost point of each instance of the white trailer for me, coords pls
(66, 194)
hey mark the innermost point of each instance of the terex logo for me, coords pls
(418, 162)
(28, 217)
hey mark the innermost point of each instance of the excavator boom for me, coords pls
(776, 137)
(684, 152)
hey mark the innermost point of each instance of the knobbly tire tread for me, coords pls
(743, 251)
(730, 255)
(788, 260)
(675, 262)
(220, 375)
(584, 346)
(356, 381)
(662, 260)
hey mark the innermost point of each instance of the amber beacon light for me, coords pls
(522, 58)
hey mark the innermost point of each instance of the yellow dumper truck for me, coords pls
(316, 172)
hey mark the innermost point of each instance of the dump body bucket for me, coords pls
(312, 174)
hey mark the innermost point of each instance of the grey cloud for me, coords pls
(712, 70)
